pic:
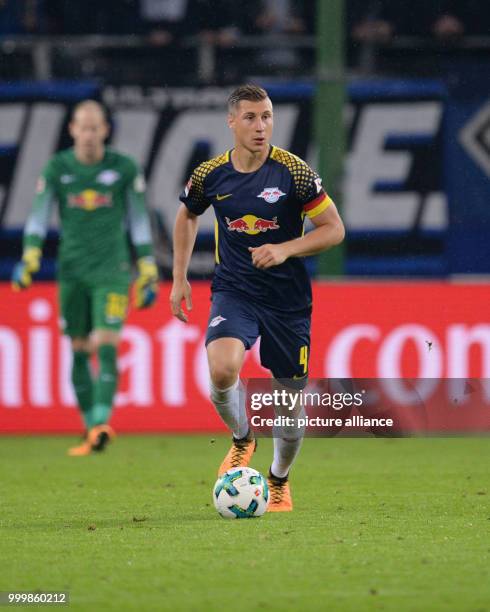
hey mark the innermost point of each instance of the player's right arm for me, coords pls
(184, 238)
(35, 230)
(193, 204)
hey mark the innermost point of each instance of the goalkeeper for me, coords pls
(99, 194)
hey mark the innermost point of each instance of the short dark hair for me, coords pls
(250, 92)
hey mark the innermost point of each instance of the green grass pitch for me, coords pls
(379, 524)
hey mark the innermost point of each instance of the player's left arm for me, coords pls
(329, 231)
(146, 285)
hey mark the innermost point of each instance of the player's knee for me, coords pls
(103, 337)
(81, 345)
(223, 375)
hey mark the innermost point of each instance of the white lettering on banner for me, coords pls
(10, 368)
(43, 128)
(67, 395)
(167, 178)
(391, 350)
(138, 362)
(135, 132)
(40, 355)
(11, 120)
(338, 358)
(460, 339)
(33, 373)
(369, 163)
(173, 338)
(201, 370)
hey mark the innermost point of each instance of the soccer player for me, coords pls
(100, 194)
(260, 195)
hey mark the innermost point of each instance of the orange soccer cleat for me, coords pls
(240, 453)
(82, 450)
(100, 436)
(280, 499)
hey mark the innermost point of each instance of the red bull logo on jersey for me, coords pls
(250, 224)
(89, 199)
(271, 194)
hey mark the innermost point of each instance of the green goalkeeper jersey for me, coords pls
(97, 205)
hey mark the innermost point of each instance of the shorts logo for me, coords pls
(318, 183)
(188, 187)
(250, 224)
(113, 320)
(116, 307)
(216, 321)
(271, 194)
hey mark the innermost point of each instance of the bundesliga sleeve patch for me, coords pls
(193, 194)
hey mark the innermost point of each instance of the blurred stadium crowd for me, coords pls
(164, 36)
(376, 20)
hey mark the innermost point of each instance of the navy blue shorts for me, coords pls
(284, 338)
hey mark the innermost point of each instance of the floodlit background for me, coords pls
(389, 100)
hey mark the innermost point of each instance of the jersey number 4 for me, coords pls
(303, 358)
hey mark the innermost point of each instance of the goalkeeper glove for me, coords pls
(146, 286)
(23, 271)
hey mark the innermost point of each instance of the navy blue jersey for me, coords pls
(255, 208)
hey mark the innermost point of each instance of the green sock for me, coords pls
(105, 385)
(81, 378)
